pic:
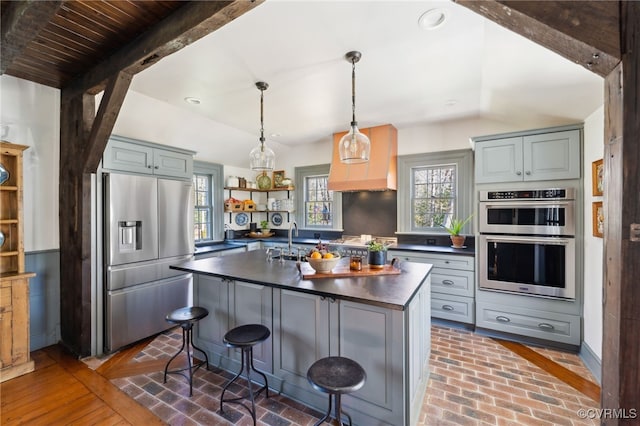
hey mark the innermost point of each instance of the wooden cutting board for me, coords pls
(343, 271)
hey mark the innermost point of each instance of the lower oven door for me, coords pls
(542, 266)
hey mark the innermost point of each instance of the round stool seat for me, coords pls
(336, 375)
(246, 335)
(188, 315)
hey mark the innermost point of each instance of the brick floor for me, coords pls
(474, 381)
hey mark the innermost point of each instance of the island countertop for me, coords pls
(389, 291)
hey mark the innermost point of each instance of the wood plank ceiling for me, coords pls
(70, 37)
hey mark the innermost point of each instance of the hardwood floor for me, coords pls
(63, 390)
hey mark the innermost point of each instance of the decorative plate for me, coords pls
(264, 182)
(4, 174)
(1, 238)
(242, 219)
(276, 219)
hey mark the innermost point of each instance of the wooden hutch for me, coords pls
(15, 357)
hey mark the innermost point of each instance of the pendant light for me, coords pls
(262, 158)
(354, 147)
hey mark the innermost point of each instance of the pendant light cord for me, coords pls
(353, 92)
(262, 119)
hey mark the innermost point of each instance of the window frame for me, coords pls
(216, 196)
(301, 174)
(462, 159)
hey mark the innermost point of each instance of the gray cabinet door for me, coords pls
(551, 156)
(301, 330)
(499, 160)
(170, 163)
(212, 293)
(373, 337)
(252, 304)
(128, 157)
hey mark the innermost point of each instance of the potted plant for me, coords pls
(264, 226)
(377, 254)
(454, 229)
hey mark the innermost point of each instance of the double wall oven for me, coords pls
(527, 242)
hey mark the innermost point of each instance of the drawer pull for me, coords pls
(447, 308)
(446, 261)
(546, 326)
(502, 318)
(447, 282)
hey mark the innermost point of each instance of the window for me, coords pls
(433, 201)
(318, 207)
(202, 209)
(433, 188)
(207, 199)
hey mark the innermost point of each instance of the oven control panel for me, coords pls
(529, 194)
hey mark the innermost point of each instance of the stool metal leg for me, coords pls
(327, 414)
(246, 359)
(187, 341)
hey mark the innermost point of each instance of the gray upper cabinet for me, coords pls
(528, 157)
(142, 157)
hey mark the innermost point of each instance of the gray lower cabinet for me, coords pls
(452, 284)
(199, 256)
(143, 157)
(384, 341)
(231, 304)
(529, 317)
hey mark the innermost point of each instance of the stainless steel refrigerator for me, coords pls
(148, 226)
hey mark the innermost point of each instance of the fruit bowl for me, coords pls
(323, 266)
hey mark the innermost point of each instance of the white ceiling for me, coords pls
(469, 67)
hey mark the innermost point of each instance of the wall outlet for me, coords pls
(431, 241)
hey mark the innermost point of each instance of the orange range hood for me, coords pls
(378, 174)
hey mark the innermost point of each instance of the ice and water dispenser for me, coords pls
(130, 233)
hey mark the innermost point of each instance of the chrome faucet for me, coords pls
(291, 225)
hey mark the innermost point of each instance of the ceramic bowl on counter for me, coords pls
(322, 265)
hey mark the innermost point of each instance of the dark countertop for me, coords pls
(242, 242)
(389, 291)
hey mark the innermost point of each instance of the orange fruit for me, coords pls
(316, 255)
(328, 256)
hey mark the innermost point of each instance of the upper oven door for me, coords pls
(527, 217)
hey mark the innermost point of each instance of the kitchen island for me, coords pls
(382, 322)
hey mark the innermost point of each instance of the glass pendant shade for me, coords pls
(355, 147)
(262, 158)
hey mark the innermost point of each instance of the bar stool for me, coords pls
(336, 375)
(245, 337)
(186, 318)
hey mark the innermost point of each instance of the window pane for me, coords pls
(202, 219)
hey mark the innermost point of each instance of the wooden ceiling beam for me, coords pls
(191, 22)
(585, 32)
(22, 21)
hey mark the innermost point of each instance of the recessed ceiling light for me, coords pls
(275, 135)
(432, 19)
(192, 100)
(451, 102)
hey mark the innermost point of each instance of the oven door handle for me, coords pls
(526, 204)
(521, 239)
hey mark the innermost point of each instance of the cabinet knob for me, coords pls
(518, 173)
(447, 282)
(149, 166)
(447, 308)
(502, 318)
(156, 167)
(528, 172)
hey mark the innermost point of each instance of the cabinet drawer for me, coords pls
(531, 323)
(453, 308)
(438, 260)
(451, 281)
